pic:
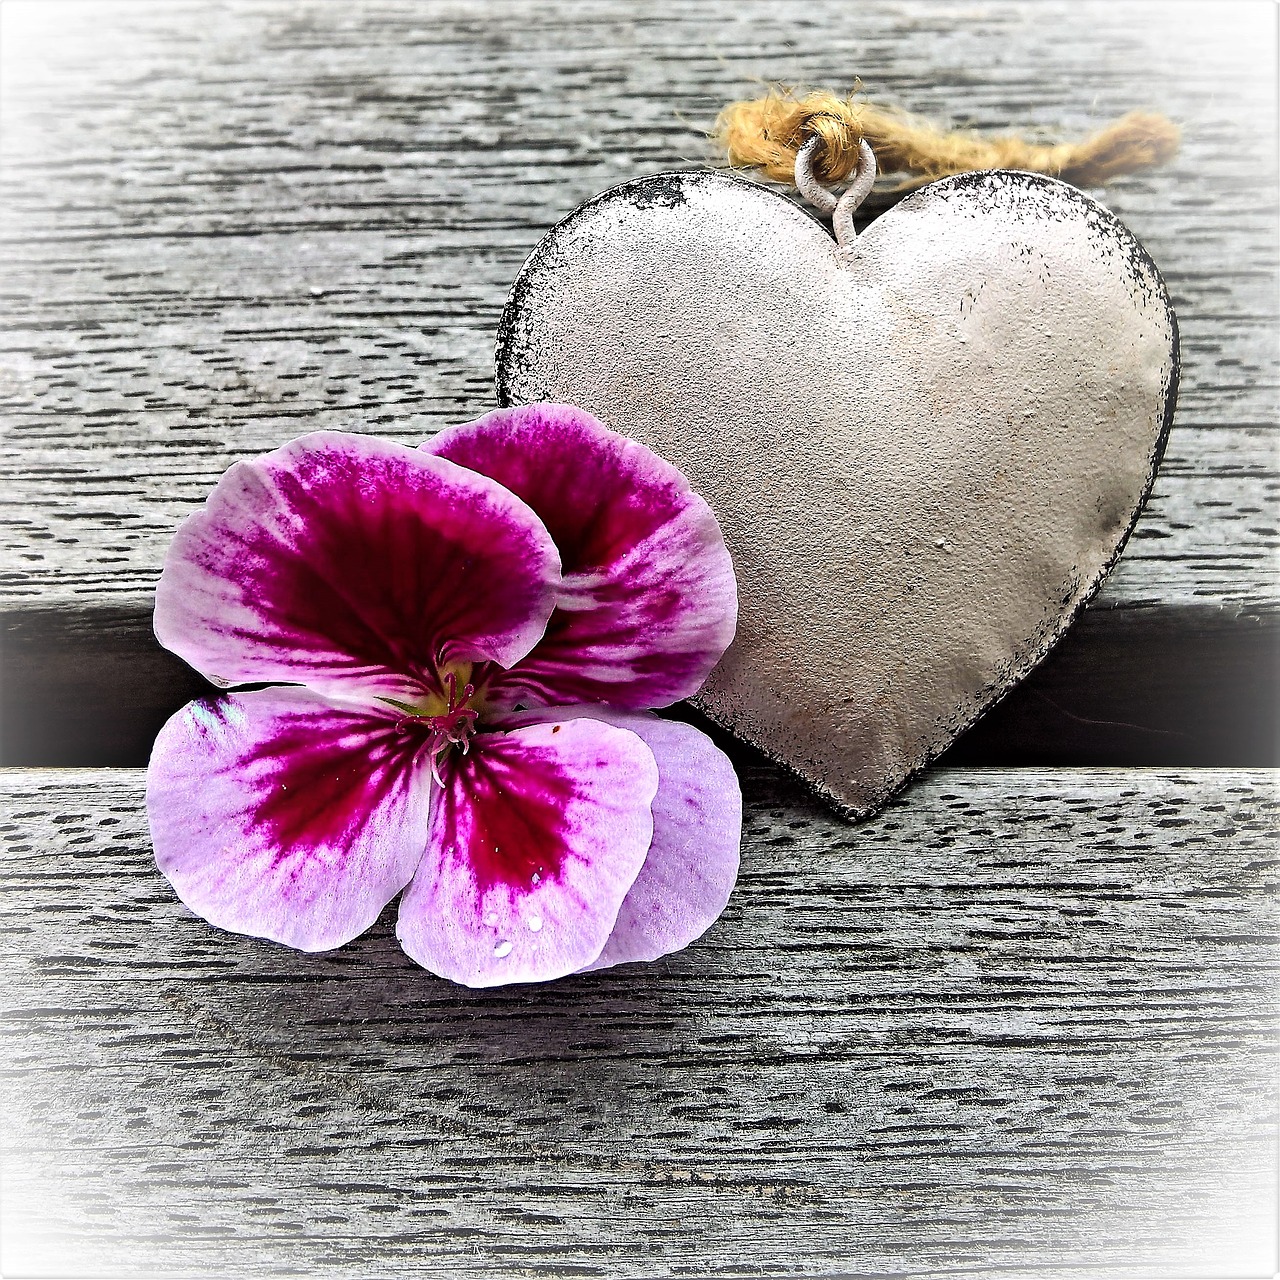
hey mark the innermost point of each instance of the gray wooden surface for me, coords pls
(226, 224)
(1024, 1020)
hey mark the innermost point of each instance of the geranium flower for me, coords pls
(463, 641)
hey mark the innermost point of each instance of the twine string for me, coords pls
(768, 133)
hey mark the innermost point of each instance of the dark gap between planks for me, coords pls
(1186, 686)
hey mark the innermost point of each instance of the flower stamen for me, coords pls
(447, 728)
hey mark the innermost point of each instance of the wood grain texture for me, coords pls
(228, 224)
(1022, 1020)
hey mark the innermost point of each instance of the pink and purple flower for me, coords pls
(463, 643)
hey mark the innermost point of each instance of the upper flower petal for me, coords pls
(649, 600)
(535, 839)
(341, 558)
(279, 814)
(692, 863)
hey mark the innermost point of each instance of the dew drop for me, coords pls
(491, 918)
(536, 877)
(502, 949)
(535, 923)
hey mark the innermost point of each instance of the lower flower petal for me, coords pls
(535, 839)
(279, 814)
(692, 863)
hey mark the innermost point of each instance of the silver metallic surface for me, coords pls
(840, 209)
(925, 454)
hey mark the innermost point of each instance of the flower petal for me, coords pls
(343, 559)
(535, 840)
(649, 601)
(692, 863)
(281, 815)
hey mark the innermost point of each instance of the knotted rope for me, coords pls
(766, 133)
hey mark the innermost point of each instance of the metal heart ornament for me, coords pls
(925, 447)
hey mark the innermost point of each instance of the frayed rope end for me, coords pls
(766, 133)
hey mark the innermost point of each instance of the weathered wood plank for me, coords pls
(220, 233)
(227, 225)
(1023, 1020)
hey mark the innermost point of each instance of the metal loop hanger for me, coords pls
(839, 208)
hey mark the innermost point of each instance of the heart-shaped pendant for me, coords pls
(925, 449)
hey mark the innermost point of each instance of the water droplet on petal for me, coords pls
(536, 877)
(535, 923)
(491, 918)
(502, 949)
